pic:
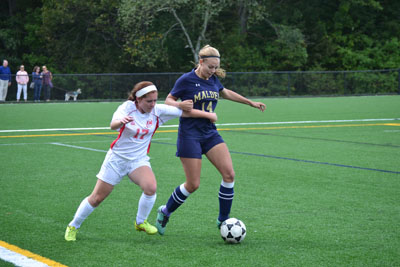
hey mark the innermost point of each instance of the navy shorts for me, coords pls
(194, 148)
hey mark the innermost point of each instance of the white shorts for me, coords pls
(114, 168)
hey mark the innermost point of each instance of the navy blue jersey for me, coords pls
(205, 94)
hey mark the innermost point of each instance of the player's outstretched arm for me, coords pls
(195, 113)
(115, 124)
(233, 96)
(186, 105)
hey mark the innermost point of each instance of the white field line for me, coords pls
(19, 259)
(221, 124)
(74, 142)
(93, 149)
(23, 257)
(80, 147)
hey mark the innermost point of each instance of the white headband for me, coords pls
(146, 90)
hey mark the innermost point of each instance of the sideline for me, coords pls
(24, 258)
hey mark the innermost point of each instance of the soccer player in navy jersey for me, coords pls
(200, 89)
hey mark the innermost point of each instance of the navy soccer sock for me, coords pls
(225, 197)
(176, 199)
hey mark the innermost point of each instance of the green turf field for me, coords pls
(318, 184)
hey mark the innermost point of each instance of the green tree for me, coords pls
(263, 41)
(82, 36)
(75, 36)
(19, 39)
(348, 34)
(150, 27)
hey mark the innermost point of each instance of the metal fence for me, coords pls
(113, 87)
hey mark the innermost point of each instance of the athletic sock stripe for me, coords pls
(225, 198)
(226, 194)
(177, 198)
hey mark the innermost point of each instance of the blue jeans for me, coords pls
(38, 89)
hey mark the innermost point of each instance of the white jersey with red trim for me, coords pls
(134, 138)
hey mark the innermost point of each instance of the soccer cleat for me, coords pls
(146, 227)
(219, 224)
(162, 220)
(70, 233)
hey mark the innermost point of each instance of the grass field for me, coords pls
(318, 184)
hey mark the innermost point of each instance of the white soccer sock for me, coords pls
(227, 185)
(146, 203)
(183, 190)
(82, 213)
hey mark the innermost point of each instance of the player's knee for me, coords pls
(229, 176)
(150, 189)
(191, 187)
(95, 200)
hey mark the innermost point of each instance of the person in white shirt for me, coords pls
(136, 119)
(22, 79)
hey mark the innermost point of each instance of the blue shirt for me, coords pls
(36, 78)
(5, 73)
(204, 94)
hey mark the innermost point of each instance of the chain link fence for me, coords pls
(116, 87)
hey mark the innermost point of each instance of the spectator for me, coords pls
(5, 80)
(47, 76)
(37, 79)
(22, 79)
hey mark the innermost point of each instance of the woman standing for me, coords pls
(137, 119)
(198, 136)
(47, 76)
(22, 79)
(37, 79)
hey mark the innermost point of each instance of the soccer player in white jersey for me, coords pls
(137, 119)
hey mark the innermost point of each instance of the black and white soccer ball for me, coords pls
(233, 230)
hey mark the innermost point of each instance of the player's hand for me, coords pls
(186, 105)
(261, 106)
(213, 117)
(126, 119)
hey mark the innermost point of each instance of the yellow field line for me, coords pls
(220, 129)
(31, 255)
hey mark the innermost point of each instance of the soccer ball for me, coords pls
(233, 230)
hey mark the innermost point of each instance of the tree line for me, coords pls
(125, 36)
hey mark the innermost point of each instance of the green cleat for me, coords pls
(219, 224)
(70, 233)
(162, 220)
(146, 227)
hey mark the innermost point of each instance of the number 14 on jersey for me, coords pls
(208, 108)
